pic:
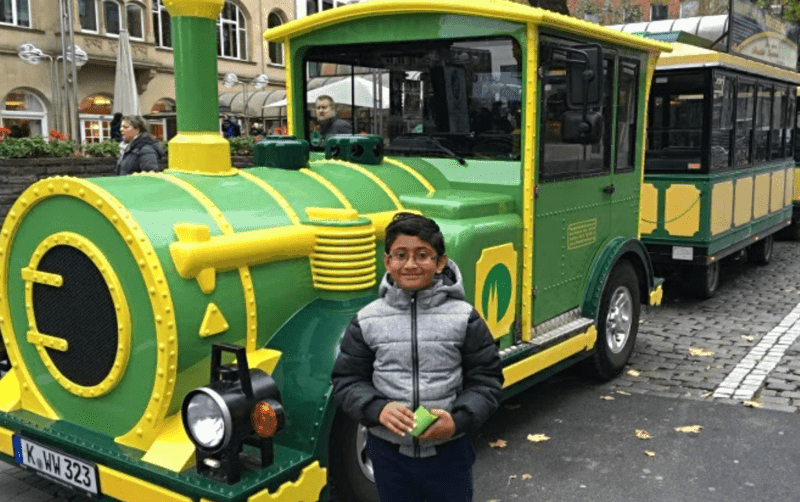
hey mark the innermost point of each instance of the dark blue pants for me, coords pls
(444, 477)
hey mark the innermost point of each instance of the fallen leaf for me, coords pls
(689, 429)
(527, 476)
(642, 434)
(753, 404)
(650, 453)
(513, 476)
(633, 373)
(622, 393)
(695, 351)
(500, 443)
(607, 398)
(749, 338)
(538, 438)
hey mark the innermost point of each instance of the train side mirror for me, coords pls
(585, 76)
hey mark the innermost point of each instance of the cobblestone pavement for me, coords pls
(738, 324)
(687, 349)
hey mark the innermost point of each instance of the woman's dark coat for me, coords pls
(142, 154)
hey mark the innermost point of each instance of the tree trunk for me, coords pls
(559, 6)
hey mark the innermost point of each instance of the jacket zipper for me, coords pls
(414, 364)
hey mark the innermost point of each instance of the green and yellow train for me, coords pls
(172, 334)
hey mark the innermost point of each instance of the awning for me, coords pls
(233, 102)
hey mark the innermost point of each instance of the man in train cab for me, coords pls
(329, 122)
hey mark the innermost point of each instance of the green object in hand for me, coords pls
(424, 420)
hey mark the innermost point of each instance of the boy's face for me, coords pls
(412, 262)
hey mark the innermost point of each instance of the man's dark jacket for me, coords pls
(142, 154)
(334, 126)
(427, 347)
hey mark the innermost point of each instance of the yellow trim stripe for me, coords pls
(413, 172)
(6, 445)
(312, 480)
(528, 180)
(287, 72)
(507, 11)
(369, 175)
(537, 362)
(124, 487)
(226, 228)
(280, 199)
(330, 186)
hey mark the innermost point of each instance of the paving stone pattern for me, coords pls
(752, 302)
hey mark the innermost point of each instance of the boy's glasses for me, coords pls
(420, 257)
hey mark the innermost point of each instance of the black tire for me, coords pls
(760, 252)
(704, 280)
(350, 468)
(617, 321)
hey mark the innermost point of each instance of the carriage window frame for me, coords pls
(746, 118)
(667, 150)
(583, 167)
(763, 122)
(723, 121)
(632, 113)
(776, 140)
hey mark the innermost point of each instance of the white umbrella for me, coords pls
(341, 92)
(126, 99)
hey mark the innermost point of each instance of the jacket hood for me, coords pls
(448, 284)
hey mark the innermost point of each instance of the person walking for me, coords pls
(139, 151)
(419, 344)
(116, 124)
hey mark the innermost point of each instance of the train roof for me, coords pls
(495, 9)
(689, 56)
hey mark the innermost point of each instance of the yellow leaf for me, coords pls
(527, 476)
(642, 434)
(749, 338)
(695, 351)
(607, 398)
(753, 404)
(650, 453)
(500, 443)
(633, 373)
(689, 429)
(538, 438)
(622, 393)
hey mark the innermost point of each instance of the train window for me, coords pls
(789, 122)
(438, 98)
(627, 100)
(745, 108)
(761, 131)
(776, 133)
(676, 122)
(562, 159)
(722, 111)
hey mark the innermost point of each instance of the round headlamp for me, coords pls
(207, 419)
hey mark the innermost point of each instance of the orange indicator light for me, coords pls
(265, 420)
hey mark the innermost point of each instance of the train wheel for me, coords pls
(617, 321)
(704, 280)
(760, 252)
(350, 467)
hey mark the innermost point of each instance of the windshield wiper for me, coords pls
(446, 150)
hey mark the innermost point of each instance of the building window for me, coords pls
(161, 27)
(95, 114)
(24, 113)
(15, 12)
(135, 21)
(232, 33)
(689, 8)
(658, 12)
(111, 17)
(87, 11)
(275, 49)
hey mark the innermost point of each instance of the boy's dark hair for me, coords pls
(417, 226)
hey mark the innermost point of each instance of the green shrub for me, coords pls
(35, 146)
(242, 146)
(108, 148)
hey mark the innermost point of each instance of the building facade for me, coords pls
(34, 95)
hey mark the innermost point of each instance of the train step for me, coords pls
(549, 334)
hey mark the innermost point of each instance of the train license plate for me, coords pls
(682, 253)
(65, 468)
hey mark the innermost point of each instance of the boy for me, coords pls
(418, 344)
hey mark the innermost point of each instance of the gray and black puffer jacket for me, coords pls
(427, 347)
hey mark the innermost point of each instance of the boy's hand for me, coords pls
(397, 418)
(440, 429)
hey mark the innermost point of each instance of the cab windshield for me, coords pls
(433, 98)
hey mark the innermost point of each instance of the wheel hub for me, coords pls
(364, 462)
(619, 319)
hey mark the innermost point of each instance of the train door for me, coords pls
(574, 188)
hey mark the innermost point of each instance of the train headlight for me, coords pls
(239, 406)
(206, 422)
